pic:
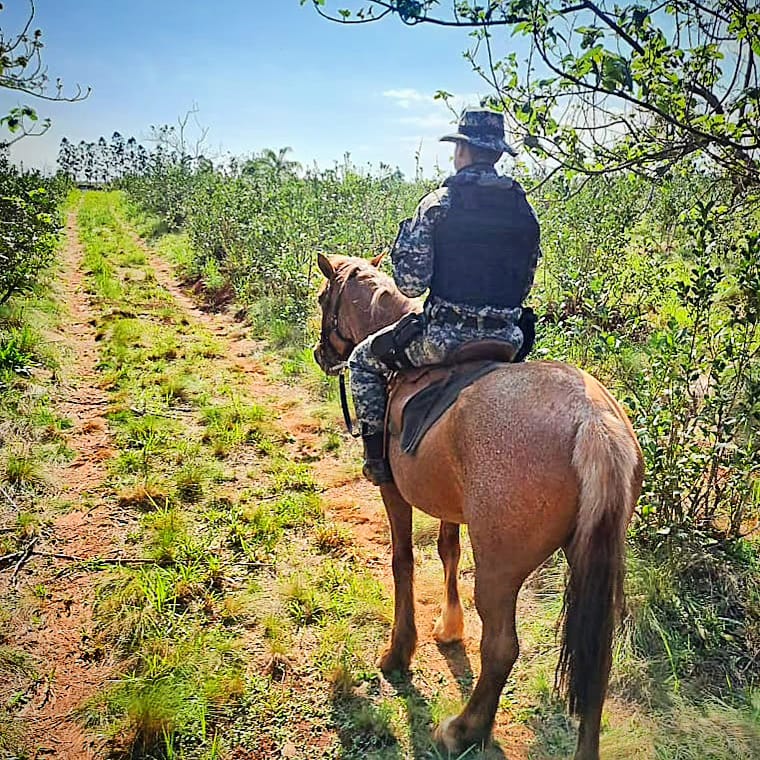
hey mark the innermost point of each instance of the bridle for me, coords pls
(332, 329)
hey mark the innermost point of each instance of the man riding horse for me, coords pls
(473, 244)
(532, 457)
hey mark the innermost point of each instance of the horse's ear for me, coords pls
(325, 266)
(377, 259)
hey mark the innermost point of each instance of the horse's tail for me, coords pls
(607, 462)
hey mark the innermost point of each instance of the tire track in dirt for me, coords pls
(57, 633)
(353, 502)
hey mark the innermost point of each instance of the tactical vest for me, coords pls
(485, 244)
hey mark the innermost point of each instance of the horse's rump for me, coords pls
(511, 431)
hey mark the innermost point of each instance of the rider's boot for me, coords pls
(376, 468)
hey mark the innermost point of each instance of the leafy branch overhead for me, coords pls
(22, 70)
(607, 86)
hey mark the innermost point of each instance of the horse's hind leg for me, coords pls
(496, 599)
(450, 625)
(404, 636)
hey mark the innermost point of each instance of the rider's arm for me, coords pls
(412, 253)
(535, 255)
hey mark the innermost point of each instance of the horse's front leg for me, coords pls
(404, 636)
(450, 625)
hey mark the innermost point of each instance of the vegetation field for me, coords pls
(194, 567)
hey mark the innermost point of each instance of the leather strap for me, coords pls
(344, 404)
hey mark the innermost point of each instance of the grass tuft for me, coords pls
(332, 539)
(28, 524)
(22, 469)
(144, 497)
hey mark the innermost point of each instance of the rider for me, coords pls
(473, 244)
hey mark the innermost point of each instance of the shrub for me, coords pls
(260, 232)
(29, 225)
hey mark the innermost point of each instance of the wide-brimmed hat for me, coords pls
(481, 128)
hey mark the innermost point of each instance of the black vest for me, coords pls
(486, 243)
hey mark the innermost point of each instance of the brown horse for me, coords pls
(533, 457)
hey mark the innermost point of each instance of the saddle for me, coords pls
(417, 398)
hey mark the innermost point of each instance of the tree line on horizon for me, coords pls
(101, 162)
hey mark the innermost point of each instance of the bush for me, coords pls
(29, 225)
(664, 307)
(260, 232)
(654, 289)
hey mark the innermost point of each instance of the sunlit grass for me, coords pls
(22, 469)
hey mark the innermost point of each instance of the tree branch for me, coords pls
(615, 27)
(421, 18)
(348, 21)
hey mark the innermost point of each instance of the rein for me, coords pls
(334, 329)
(344, 403)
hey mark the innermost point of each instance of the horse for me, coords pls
(532, 457)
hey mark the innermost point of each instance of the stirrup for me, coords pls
(377, 471)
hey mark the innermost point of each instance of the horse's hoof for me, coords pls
(451, 733)
(445, 736)
(392, 662)
(448, 631)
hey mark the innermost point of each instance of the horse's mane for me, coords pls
(385, 299)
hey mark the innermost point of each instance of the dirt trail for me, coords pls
(353, 502)
(56, 629)
(348, 499)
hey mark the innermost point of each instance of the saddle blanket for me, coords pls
(423, 409)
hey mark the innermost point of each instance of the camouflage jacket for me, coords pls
(413, 252)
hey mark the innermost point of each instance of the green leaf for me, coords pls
(590, 35)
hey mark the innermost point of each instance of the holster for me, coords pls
(390, 347)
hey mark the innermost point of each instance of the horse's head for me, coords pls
(356, 300)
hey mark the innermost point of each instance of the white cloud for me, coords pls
(430, 121)
(405, 96)
(419, 121)
(425, 112)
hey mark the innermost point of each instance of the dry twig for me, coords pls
(25, 554)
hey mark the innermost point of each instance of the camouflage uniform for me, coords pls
(413, 260)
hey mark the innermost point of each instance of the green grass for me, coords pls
(182, 625)
(712, 731)
(22, 469)
(254, 624)
(181, 691)
(32, 444)
(231, 424)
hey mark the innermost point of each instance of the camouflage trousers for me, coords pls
(369, 375)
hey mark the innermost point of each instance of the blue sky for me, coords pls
(264, 74)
